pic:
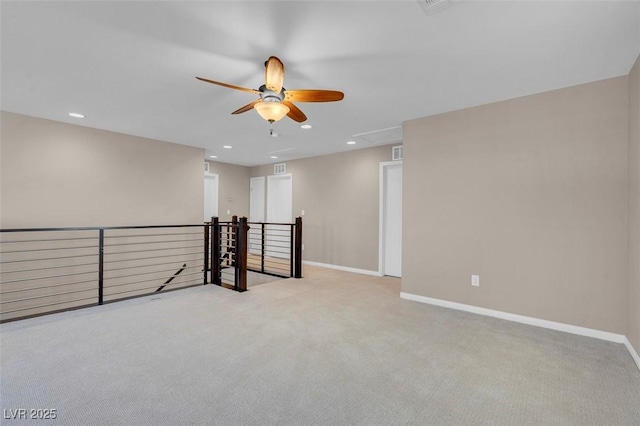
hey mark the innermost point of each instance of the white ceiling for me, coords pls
(130, 66)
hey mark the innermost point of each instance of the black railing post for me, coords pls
(242, 229)
(100, 266)
(298, 248)
(292, 252)
(263, 248)
(215, 251)
(207, 227)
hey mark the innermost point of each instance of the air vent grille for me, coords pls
(432, 7)
(279, 169)
(380, 137)
(396, 152)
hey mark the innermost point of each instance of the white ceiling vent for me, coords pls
(380, 137)
(279, 169)
(431, 7)
(396, 152)
(291, 153)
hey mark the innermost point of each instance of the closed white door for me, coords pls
(256, 200)
(279, 210)
(256, 213)
(210, 196)
(279, 198)
(392, 220)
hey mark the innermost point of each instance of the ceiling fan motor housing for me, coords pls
(268, 95)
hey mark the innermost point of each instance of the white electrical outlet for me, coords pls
(302, 213)
(228, 211)
(475, 280)
(303, 247)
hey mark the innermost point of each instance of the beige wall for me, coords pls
(233, 189)
(633, 320)
(529, 193)
(339, 193)
(60, 175)
(56, 174)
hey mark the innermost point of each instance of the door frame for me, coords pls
(382, 214)
(215, 176)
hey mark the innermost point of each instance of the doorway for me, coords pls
(279, 198)
(256, 213)
(210, 196)
(256, 199)
(391, 218)
(279, 210)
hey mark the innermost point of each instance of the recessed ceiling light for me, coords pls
(351, 143)
(306, 126)
(273, 156)
(227, 146)
(213, 156)
(76, 115)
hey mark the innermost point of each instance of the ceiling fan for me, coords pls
(275, 101)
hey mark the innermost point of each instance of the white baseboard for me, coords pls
(567, 328)
(632, 351)
(342, 268)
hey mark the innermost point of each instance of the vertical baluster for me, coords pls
(215, 251)
(262, 225)
(291, 249)
(241, 255)
(207, 227)
(100, 266)
(298, 248)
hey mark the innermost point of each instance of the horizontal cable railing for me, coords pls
(227, 237)
(239, 246)
(226, 253)
(47, 270)
(271, 248)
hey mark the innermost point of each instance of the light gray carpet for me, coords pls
(256, 278)
(330, 349)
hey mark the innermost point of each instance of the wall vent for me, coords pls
(279, 169)
(206, 167)
(431, 7)
(396, 152)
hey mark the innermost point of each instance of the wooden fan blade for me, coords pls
(311, 95)
(247, 107)
(294, 112)
(230, 86)
(274, 74)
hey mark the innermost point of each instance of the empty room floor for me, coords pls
(329, 349)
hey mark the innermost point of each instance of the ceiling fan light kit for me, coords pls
(271, 110)
(275, 101)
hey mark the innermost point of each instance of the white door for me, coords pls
(279, 210)
(392, 219)
(210, 196)
(256, 201)
(279, 198)
(256, 213)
